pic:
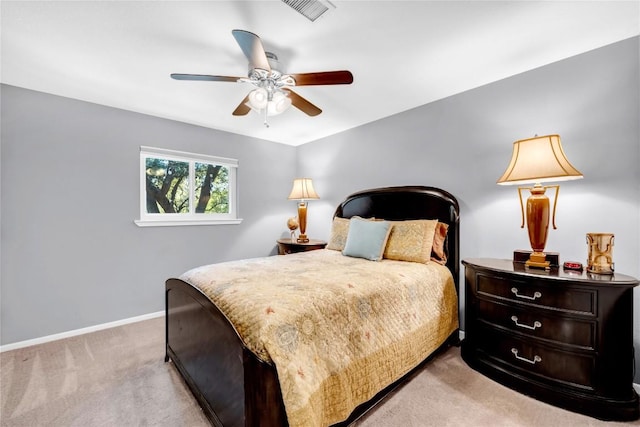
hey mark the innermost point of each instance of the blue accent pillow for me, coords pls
(366, 239)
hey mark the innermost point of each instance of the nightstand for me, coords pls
(286, 246)
(562, 337)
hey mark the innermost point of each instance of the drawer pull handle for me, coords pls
(536, 294)
(536, 324)
(535, 360)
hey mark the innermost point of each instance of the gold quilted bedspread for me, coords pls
(338, 329)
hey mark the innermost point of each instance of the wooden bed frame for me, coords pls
(233, 386)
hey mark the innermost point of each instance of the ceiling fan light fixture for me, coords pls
(258, 98)
(279, 104)
(260, 103)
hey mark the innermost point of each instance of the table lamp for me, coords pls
(535, 161)
(302, 191)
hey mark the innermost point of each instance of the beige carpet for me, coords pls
(117, 377)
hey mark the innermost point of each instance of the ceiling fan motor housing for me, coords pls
(271, 81)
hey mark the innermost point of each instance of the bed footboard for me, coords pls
(231, 384)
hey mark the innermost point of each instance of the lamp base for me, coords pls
(303, 238)
(548, 259)
(538, 260)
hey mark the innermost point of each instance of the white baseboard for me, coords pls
(75, 332)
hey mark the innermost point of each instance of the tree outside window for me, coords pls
(180, 188)
(212, 188)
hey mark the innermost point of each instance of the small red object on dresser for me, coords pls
(572, 265)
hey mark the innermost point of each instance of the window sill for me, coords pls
(184, 222)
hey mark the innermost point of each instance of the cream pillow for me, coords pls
(339, 232)
(411, 240)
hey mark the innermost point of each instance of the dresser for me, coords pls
(563, 337)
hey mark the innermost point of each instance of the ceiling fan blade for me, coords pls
(302, 104)
(342, 77)
(243, 108)
(252, 48)
(204, 77)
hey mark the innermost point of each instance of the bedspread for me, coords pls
(338, 329)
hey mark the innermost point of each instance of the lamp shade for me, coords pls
(536, 160)
(303, 190)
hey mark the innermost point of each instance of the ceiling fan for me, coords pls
(273, 93)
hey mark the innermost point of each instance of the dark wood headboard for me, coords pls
(410, 202)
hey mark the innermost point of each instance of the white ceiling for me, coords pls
(402, 54)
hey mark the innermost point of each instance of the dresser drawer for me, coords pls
(531, 359)
(535, 293)
(539, 325)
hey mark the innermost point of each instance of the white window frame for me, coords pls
(191, 218)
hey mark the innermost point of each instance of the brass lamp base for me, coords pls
(538, 223)
(538, 260)
(302, 219)
(521, 256)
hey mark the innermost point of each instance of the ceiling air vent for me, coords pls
(312, 9)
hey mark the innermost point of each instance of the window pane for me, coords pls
(167, 186)
(211, 188)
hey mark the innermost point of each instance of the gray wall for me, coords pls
(463, 144)
(72, 256)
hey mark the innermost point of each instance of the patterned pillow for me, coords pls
(411, 240)
(438, 252)
(339, 231)
(367, 239)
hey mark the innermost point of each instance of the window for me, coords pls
(178, 188)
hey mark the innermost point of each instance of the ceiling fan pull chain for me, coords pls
(265, 116)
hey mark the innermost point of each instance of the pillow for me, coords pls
(339, 231)
(366, 239)
(438, 253)
(411, 240)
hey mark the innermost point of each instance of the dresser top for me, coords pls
(508, 266)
